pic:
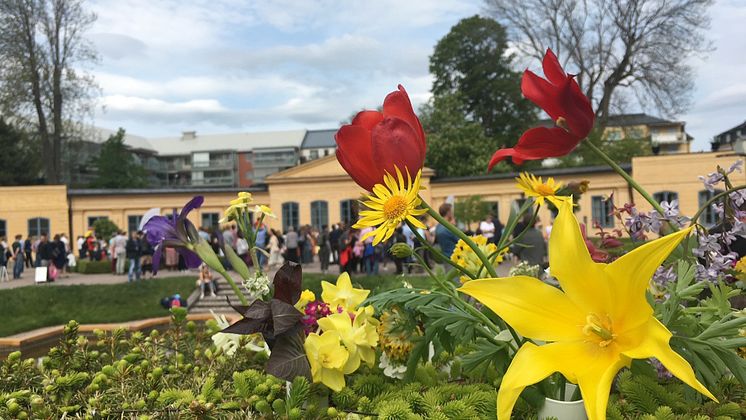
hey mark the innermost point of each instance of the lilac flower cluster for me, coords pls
(661, 279)
(638, 223)
(714, 247)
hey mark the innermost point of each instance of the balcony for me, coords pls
(274, 161)
(226, 181)
(214, 164)
(667, 137)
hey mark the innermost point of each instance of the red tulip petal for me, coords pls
(537, 143)
(542, 93)
(395, 143)
(360, 178)
(367, 119)
(552, 68)
(578, 109)
(398, 105)
(354, 144)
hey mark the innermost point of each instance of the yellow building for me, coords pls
(320, 192)
(668, 136)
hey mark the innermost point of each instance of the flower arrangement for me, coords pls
(602, 307)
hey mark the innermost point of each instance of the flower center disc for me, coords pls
(600, 327)
(395, 207)
(544, 190)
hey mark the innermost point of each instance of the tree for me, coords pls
(472, 62)
(42, 51)
(622, 49)
(116, 165)
(105, 228)
(470, 209)
(19, 158)
(456, 145)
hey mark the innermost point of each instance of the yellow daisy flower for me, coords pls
(465, 257)
(390, 205)
(534, 186)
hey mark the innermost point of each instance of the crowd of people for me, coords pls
(25, 254)
(339, 244)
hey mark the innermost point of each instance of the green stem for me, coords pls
(464, 237)
(714, 198)
(439, 253)
(618, 169)
(234, 286)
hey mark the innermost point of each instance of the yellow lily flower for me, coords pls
(359, 337)
(327, 358)
(596, 324)
(343, 294)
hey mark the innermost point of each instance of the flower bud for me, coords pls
(401, 250)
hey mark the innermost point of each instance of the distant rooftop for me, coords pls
(317, 139)
(625, 120)
(730, 135)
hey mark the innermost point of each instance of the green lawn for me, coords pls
(376, 284)
(28, 308)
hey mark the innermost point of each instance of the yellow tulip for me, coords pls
(327, 357)
(343, 294)
(596, 324)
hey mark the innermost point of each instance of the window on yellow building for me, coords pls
(290, 215)
(133, 223)
(3, 228)
(210, 220)
(37, 226)
(709, 216)
(601, 211)
(92, 220)
(319, 214)
(667, 196)
(348, 211)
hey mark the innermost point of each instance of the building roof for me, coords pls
(625, 120)
(100, 135)
(318, 139)
(192, 141)
(740, 128)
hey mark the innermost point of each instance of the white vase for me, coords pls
(564, 410)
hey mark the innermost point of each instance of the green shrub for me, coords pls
(95, 267)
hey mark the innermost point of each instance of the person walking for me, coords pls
(487, 227)
(120, 251)
(275, 251)
(3, 261)
(531, 248)
(134, 252)
(291, 245)
(43, 251)
(18, 257)
(324, 248)
(27, 251)
(446, 239)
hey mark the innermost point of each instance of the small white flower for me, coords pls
(229, 343)
(391, 369)
(257, 287)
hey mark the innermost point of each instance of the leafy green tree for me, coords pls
(470, 209)
(116, 165)
(105, 228)
(19, 157)
(472, 62)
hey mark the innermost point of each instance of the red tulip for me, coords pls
(375, 142)
(560, 96)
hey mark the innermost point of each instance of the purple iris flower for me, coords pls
(175, 231)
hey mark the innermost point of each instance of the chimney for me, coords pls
(188, 135)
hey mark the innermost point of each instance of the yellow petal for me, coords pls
(595, 383)
(631, 275)
(655, 344)
(530, 365)
(534, 308)
(333, 378)
(583, 280)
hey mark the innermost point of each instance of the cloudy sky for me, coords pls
(216, 66)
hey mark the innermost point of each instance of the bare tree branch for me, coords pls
(640, 46)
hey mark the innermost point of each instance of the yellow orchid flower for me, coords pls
(596, 324)
(343, 294)
(359, 337)
(327, 357)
